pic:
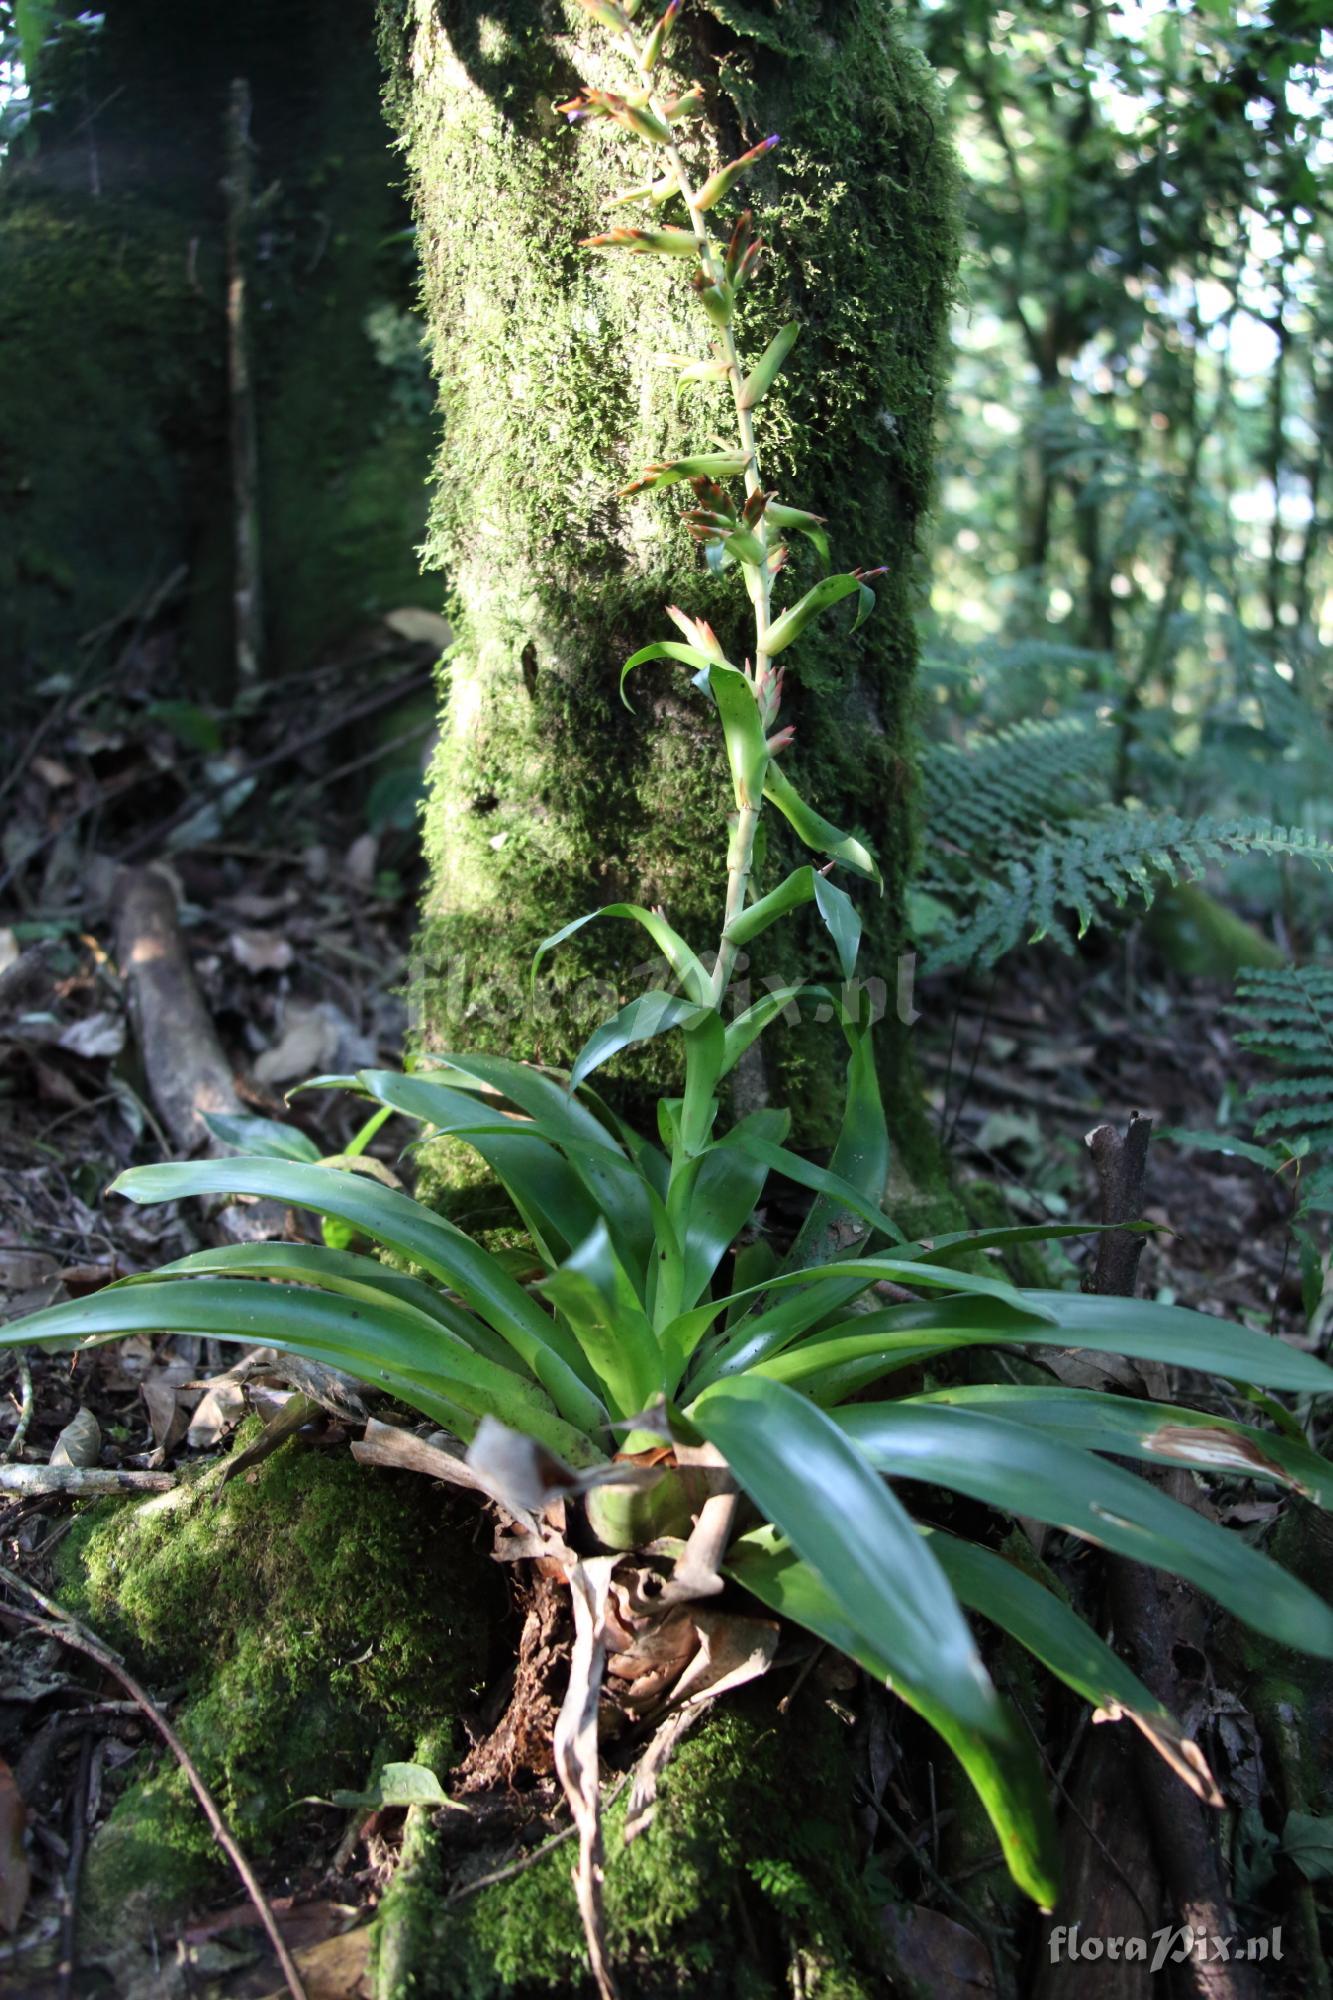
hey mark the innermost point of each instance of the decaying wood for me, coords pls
(1182, 1828)
(186, 1069)
(520, 1744)
(1111, 1886)
(83, 1482)
(1121, 1161)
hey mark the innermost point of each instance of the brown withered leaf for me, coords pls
(80, 1443)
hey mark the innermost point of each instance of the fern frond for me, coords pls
(1095, 863)
(983, 794)
(1286, 1015)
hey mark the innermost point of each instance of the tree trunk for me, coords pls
(114, 343)
(549, 799)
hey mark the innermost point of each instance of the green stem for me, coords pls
(740, 854)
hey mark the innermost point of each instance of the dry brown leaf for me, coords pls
(80, 1443)
(261, 951)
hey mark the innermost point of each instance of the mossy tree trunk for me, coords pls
(548, 798)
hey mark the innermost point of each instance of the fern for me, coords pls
(1096, 864)
(1016, 781)
(1287, 1016)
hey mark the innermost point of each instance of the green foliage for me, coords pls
(1093, 867)
(625, 1314)
(998, 787)
(1287, 1016)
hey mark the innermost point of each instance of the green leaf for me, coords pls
(815, 830)
(810, 525)
(664, 649)
(594, 1292)
(746, 1029)
(1270, 1157)
(384, 1345)
(701, 465)
(860, 1154)
(1064, 1643)
(806, 1476)
(822, 1180)
(1015, 1468)
(1006, 1774)
(766, 370)
(404, 1225)
(265, 1136)
(652, 1014)
(824, 1288)
(399, 1785)
(1160, 1433)
(756, 917)
(843, 923)
(343, 1271)
(673, 947)
(710, 1206)
(1135, 1327)
(743, 729)
(549, 1195)
(828, 591)
(1307, 1839)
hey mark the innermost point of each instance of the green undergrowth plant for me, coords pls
(646, 1312)
(1029, 837)
(1284, 1015)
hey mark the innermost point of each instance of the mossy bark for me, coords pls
(548, 799)
(744, 1886)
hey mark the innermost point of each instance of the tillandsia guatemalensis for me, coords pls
(646, 1317)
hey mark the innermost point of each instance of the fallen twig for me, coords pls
(187, 1071)
(58, 1624)
(83, 1481)
(78, 1841)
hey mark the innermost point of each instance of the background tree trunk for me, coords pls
(548, 798)
(114, 458)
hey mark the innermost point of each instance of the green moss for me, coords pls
(317, 1616)
(745, 1871)
(547, 798)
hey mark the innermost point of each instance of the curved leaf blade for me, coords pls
(809, 1478)
(816, 831)
(404, 1225)
(1021, 1471)
(1006, 1774)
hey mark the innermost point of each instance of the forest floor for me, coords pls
(297, 917)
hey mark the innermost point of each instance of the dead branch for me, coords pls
(85, 1482)
(1186, 1849)
(187, 1072)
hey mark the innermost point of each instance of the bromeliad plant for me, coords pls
(630, 1319)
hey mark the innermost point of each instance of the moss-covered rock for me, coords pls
(548, 798)
(321, 1616)
(747, 1872)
